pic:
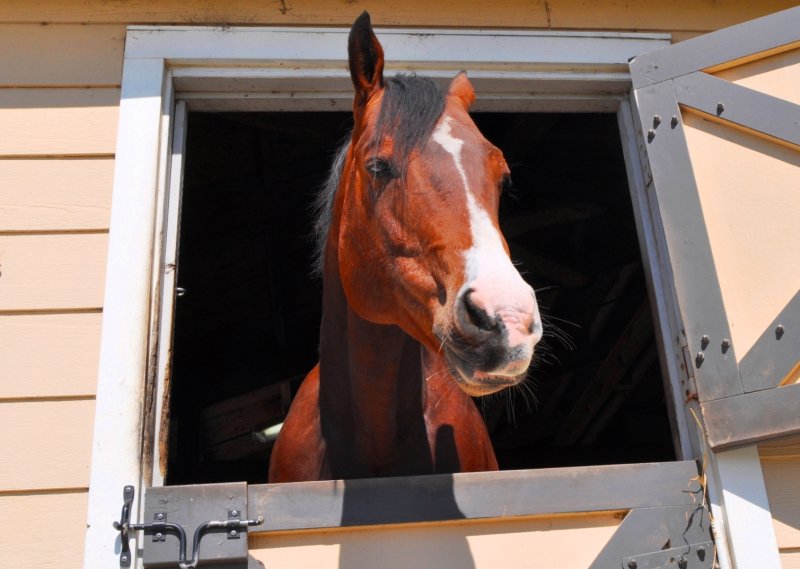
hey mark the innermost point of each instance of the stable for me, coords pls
(655, 204)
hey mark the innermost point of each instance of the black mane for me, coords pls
(410, 108)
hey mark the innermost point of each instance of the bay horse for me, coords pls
(422, 307)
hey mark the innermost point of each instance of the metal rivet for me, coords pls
(159, 516)
(720, 108)
(234, 513)
(726, 345)
(779, 331)
(674, 121)
(651, 134)
(704, 342)
(656, 120)
(234, 533)
(159, 535)
(124, 558)
(698, 360)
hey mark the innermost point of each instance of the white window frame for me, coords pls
(168, 70)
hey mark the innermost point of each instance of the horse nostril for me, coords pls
(478, 316)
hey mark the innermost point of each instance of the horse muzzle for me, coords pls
(491, 345)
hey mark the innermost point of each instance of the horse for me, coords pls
(422, 307)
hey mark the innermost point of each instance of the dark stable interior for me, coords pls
(246, 328)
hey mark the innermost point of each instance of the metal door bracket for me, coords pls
(193, 506)
(695, 556)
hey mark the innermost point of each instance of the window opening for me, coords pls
(247, 325)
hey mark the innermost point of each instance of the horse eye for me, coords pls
(380, 168)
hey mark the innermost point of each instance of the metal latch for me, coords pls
(690, 544)
(189, 505)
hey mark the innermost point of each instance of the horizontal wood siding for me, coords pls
(46, 444)
(780, 462)
(547, 541)
(43, 531)
(57, 55)
(790, 559)
(52, 272)
(49, 355)
(60, 69)
(59, 99)
(58, 122)
(563, 14)
(55, 194)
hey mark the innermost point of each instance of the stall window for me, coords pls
(247, 319)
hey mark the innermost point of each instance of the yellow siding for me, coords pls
(790, 559)
(61, 54)
(780, 462)
(58, 122)
(46, 444)
(58, 117)
(52, 272)
(748, 191)
(44, 531)
(55, 194)
(49, 355)
(575, 14)
(533, 542)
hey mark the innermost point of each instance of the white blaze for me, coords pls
(486, 259)
(487, 254)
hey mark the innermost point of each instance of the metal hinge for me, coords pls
(690, 544)
(214, 514)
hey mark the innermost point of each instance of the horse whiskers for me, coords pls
(453, 385)
(434, 374)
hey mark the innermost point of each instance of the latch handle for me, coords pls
(124, 526)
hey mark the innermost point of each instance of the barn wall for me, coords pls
(780, 461)
(462, 545)
(60, 69)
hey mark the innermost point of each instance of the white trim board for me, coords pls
(254, 68)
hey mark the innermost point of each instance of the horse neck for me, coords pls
(371, 388)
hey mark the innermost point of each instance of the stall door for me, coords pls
(720, 119)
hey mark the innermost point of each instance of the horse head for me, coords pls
(419, 244)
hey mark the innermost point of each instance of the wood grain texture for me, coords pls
(60, 55)
(69, 122)
(52, 272)
(782, 478)
(46, 444)
(790, 559)
(564, 541)
(472, 496)
(22, 530)
(49, 355)
(778, 449)
(566, 14)
(55, 194)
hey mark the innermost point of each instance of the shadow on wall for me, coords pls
(426, 499)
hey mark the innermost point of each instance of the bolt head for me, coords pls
(632, 564)
(234, 513)
(234, 533)
(699, 359)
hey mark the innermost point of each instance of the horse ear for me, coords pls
(461, 88)
(366, 59)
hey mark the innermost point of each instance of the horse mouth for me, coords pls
(474, 382)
